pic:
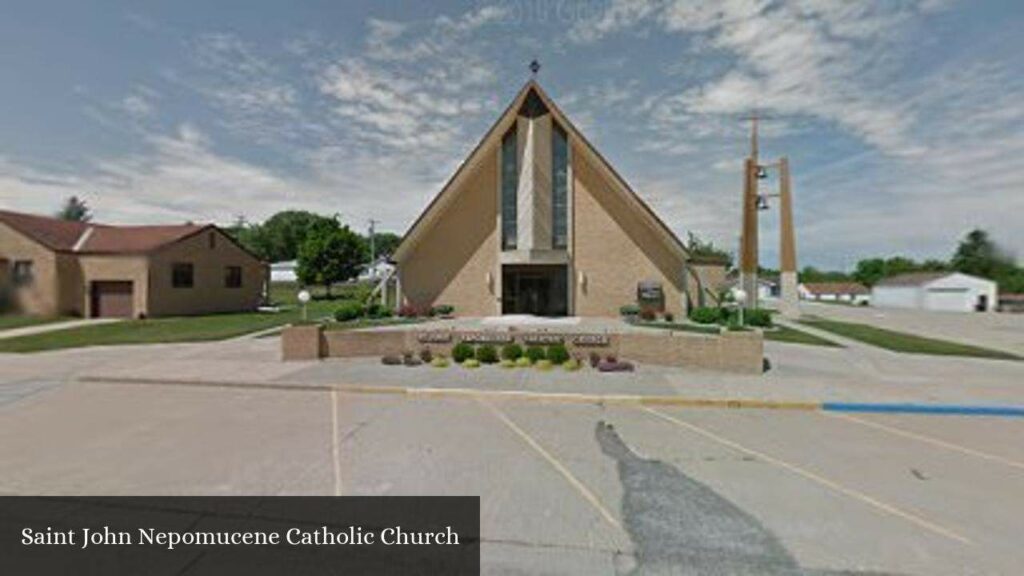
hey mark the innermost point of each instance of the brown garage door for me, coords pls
(112, 299)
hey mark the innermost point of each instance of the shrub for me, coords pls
(544, 365)
(572, 365)
(471, 363)
(648, 314)
(439, 362)
(376, 310)
(760, 318)
(486, 354)
(442, 310)
(391, 360)
(462, 352)
(511, 351)
(506, 363)
(705, 315)
(557, 353)
(522, 362)
(426, 355)
(535, 354)
(348, 311)
(669, 317)
(629, 310)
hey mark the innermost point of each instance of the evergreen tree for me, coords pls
(75, 209)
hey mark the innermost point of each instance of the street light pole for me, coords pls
(373, 240)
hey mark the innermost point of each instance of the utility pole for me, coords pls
(373, 243)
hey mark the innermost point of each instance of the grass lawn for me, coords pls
(175, 329)
(794, 336)
(903, 342)
(8, 321)
(778, 334)
(371, 322)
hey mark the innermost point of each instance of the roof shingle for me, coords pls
(88, 238)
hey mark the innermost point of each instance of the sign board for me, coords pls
(486, 337)
(528, 338)
(591, 340)
(438, 337)
(543, 338)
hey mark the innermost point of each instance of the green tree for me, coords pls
(697, 247)
(977, 254)
(812, 274)
(75, 209)
(282, 235)
(385, 243)
(330, 255)
(869, 271)
(1012, 282)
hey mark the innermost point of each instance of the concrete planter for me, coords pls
(727, 351)
(305, 342)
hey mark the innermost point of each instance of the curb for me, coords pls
(576, 398)
(559, 397)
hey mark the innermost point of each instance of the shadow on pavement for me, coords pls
(680, 526)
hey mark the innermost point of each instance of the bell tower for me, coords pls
(755, 202)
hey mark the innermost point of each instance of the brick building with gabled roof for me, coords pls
(50, 266)
(535, 221)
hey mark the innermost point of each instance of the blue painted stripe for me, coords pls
(962, 409)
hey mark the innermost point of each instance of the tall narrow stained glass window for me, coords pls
(509, 186)
(559, 187)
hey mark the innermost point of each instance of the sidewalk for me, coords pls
(54, 326)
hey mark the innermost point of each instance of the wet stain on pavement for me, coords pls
(681, 526)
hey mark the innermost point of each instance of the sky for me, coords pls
(903, 120)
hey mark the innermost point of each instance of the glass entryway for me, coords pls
(538, 289)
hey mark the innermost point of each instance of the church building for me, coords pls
(535, 221)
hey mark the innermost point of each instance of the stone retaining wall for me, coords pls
(728, 351)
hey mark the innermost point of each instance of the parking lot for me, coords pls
(566, 487)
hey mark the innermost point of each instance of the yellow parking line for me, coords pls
(928, 440)
(572, 480)
(830, 484)
(335, 454)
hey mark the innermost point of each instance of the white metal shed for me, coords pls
(940, 291)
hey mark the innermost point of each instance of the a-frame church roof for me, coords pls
(493, 138)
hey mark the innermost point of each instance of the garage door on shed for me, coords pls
(112, 299)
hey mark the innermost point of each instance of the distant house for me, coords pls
(379, 269)
(56, 267)
(767, 287)
(848, 292)
(945, 291)
(1011, 303)
(284, 271)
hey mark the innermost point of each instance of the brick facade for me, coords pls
(740, 352)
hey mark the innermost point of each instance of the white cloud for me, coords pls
(180, 177)
(139, 104)
(415, 84)
(799, 58)
(941, 146)
(253, 95)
